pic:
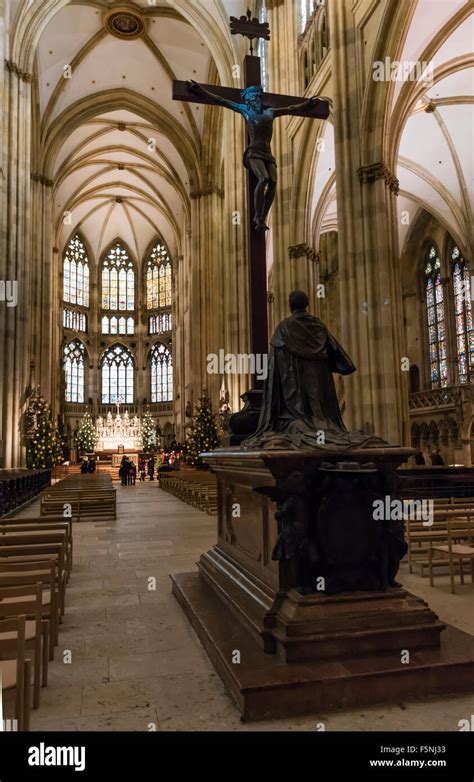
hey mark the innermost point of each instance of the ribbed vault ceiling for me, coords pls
(435, 160)
(124, 157)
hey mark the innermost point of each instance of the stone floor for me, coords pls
(136, 663)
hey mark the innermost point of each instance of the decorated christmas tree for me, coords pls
(43, 442)
(148, 433)
(86, 437)
(203, 436)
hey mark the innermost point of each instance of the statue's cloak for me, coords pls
(300, 406)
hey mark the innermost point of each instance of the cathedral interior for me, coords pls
(125, 250)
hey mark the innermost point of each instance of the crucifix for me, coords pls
(258, 109)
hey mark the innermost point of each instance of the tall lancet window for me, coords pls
(161, 374)
(158, 278)
(117, 376)
(463, 315)
(159, 289)
(118, 280)
(76, 273)
(435, 313)
(74, 370)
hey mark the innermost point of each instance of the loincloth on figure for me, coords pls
(253, 153)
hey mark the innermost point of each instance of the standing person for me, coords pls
(84, 466)
(151, 468)
(124, 470)
(437, 459)
(141, 468)
(132, 477)
(419, 458)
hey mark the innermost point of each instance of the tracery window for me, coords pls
(435, 312)
(76, 273)
(74, 370)
(463, 315)
(161, 368)
(116, 324)
(117, 369)
(158, 324)
(118, 280)
(158, 278)
(74, 320)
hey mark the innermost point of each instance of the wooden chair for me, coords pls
(39, 525)
(458, 548)
(15, 673)
(19, 601)
(24, 551)
(51, 601)
(22, 573)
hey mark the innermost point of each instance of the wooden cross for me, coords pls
(252, 28)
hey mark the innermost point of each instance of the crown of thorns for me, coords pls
(251, 92)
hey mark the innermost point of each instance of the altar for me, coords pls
(120, 432)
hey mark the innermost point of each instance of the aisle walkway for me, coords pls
(136, 663)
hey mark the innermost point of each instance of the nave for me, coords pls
(137, 664)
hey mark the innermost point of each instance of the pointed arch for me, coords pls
(435, 317)
(117, 278)
(76, 271)
(73, 357)
(117, 367)
(161, 373)
(158, 271)
(462, 313)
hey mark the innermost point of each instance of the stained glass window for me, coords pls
(117, 376)
(118, 325)
(436, 320)
(158, 278)
(76, 273)
(118, 280)
(158, 324)
(74, 369)
(161, 374)
(463, 315)
(76, 321)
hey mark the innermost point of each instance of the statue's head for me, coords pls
(253, 96)
(298, 301)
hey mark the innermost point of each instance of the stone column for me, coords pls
(44, 322)
(370, 289)
(283, 71)
(15, 262)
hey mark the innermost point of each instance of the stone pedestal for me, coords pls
(242, 599)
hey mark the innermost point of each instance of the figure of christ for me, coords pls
(258, 156)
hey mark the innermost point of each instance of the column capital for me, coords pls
(13, 68)
(369, 174)
(41, 179)
(271, 4)
(206, 192)
(302, 250)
